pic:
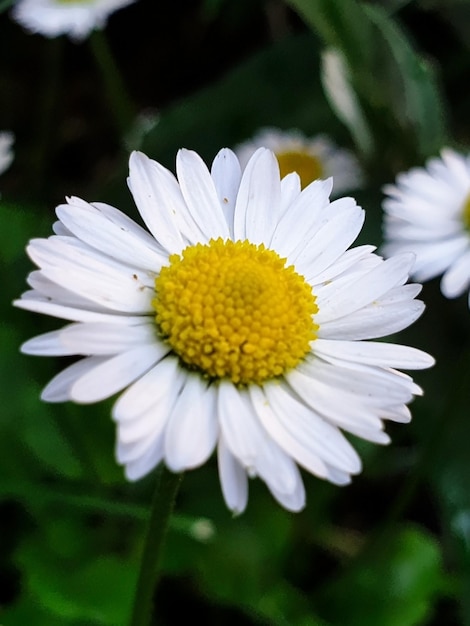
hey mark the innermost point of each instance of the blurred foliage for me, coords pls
(392, 549)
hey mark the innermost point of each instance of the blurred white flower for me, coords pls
(312, 158)
(76, 18)
(427, 212)
(6, 151)
(237, 323)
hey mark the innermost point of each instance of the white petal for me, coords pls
(95, 338)
(145, 464)
(147, 425)
(310, 434)
(366, 289)
(433, 257)
(418, 232)
(125, 222)
(400, 414)
(374, 353)
(402, 293)
(116, 373)
(58, 389)
(258, 203)
(233, 479)
(139, 427)
(158, 198)
(297, 226)
(130, 451)
(164, 380)
(200, 194)
(226, 174)
(93, 276)
(59, 229)
(259, 197)
(112, 236)
(250, 443)
(329, 242)
(48, 344)
(374, 386)
(319, 436)
(345, 409)
(294, 501)
(290, 191)
(373, 321)
(65, 297)
(30, 301)
(192, 430)
(457, 278)
(74, 19)
(346, 261)
(337, 477)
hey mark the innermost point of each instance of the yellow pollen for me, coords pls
(307, 166)
(233, 310)
(466, 212)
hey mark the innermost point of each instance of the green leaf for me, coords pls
(97, 590)
(396, 91)
(397, 586)
(29, 610)
(18, 225)
(342, 25)
(422, 102)
(27, 424)
(243, 564)
(283, 605)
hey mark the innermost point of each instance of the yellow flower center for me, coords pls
(234, 310)
(466, 212)
(307, 166)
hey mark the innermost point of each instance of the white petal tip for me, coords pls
(236, 512)
(51, 397)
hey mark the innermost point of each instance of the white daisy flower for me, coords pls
(6, 152)
(311, 158)
(427, 212)
(76, 18)
(235, 324)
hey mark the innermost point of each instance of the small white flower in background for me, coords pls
(311, 158)
(76, 18)
(235, 324)
(6, 151)
(427, 212)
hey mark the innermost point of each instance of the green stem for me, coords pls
(122, 107)
(162, 507)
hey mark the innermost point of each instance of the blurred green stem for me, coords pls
(121, 106)
(162, 507)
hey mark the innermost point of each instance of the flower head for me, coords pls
(236, 323)
(76, 18)
(311, 158)
(6, 152)
(427, 212)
